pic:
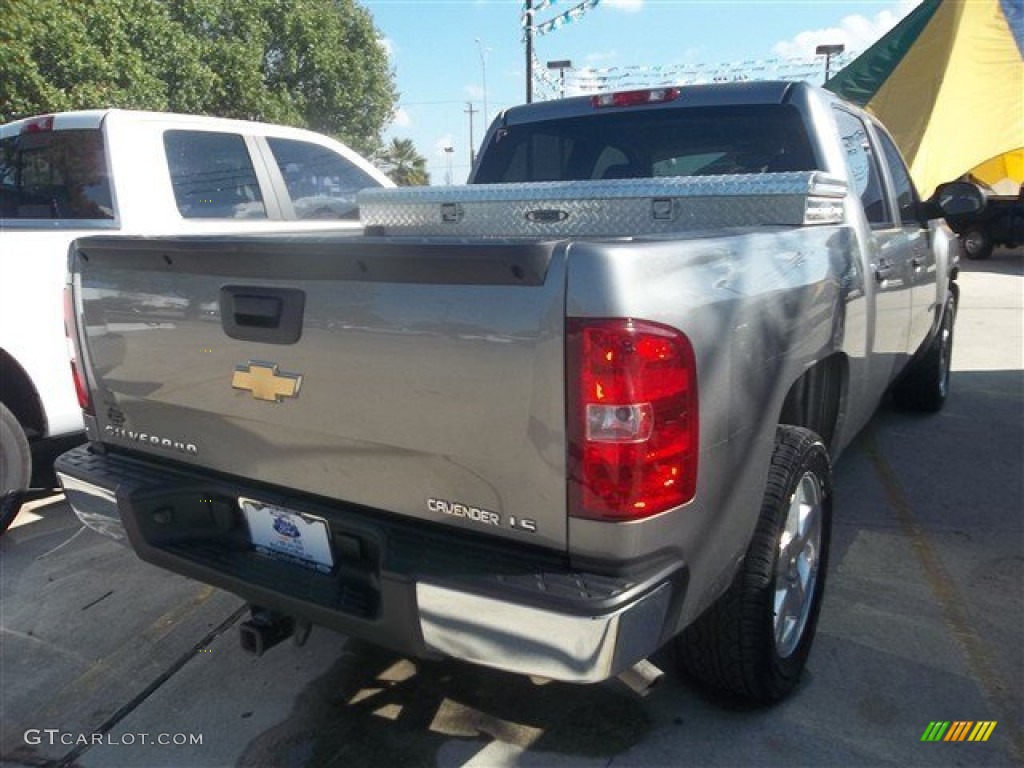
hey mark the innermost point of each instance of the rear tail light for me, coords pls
(634, 98)
(81, 388)
(632, 418)
(824, 204)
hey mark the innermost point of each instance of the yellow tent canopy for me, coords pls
(1004, 173)
(948, 83)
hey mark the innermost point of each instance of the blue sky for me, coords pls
(437, 60)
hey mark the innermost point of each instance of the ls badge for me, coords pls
(266, 381)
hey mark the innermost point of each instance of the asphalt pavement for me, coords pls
(108, 662)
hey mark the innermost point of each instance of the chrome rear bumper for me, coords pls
(95, 506)
(532, 641)
(560, 628)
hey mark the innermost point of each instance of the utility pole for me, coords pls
(529, 51)
(483, 72)
(472, 144)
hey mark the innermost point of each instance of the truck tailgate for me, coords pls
(426, 381)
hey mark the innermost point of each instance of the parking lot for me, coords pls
(107, 661)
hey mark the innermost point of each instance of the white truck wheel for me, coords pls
(15, 456)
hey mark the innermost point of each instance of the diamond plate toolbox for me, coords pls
(605, 208)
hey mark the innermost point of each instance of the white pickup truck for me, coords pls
(144, 173)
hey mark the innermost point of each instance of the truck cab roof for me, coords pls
(708, 95)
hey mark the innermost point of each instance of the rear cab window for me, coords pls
(213, 176)
(57, 175)
(321, 183)
(647, 143)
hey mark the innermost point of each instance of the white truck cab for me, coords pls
(71, 174)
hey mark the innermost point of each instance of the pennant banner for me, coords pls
(589, 80)
(573, 14)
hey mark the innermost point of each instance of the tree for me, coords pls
(310, 63)
(403, 164)
(80, 54)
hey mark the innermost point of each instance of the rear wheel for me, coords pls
(754, 641)
(15, 464)
(977, 243)
(15, 456)
(924, 386)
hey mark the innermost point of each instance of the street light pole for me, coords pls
(529, 51)
(561, 65)
(448, 152)
(828, 51)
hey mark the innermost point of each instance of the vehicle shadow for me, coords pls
(1003, 261)
(376, 708)
(966, 459)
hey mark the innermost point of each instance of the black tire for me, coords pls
(742, 644)
(15, 456)
(977, 243)
(924, 386)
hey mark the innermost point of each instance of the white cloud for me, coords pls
(475, 92)
(388, 45)
(855, 32)
(401, 119)
(600, 57)
(629, 6)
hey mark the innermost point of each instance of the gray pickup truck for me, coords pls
(546, 422)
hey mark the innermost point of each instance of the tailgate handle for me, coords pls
(258, 313)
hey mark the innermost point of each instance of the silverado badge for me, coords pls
(265, 381)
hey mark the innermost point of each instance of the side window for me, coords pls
(58, 175)
(212, 176)
(531, 156)
(906, 195)
(863, 168)
(321, 184)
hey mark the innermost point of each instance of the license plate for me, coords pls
(301, 538)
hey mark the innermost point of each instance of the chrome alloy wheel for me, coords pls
(796, 567)
(945, 349)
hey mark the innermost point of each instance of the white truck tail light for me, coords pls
(632, 418)
(81, 388)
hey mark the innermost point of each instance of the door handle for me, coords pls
(884, 271)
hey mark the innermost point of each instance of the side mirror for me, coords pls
(957, 198)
